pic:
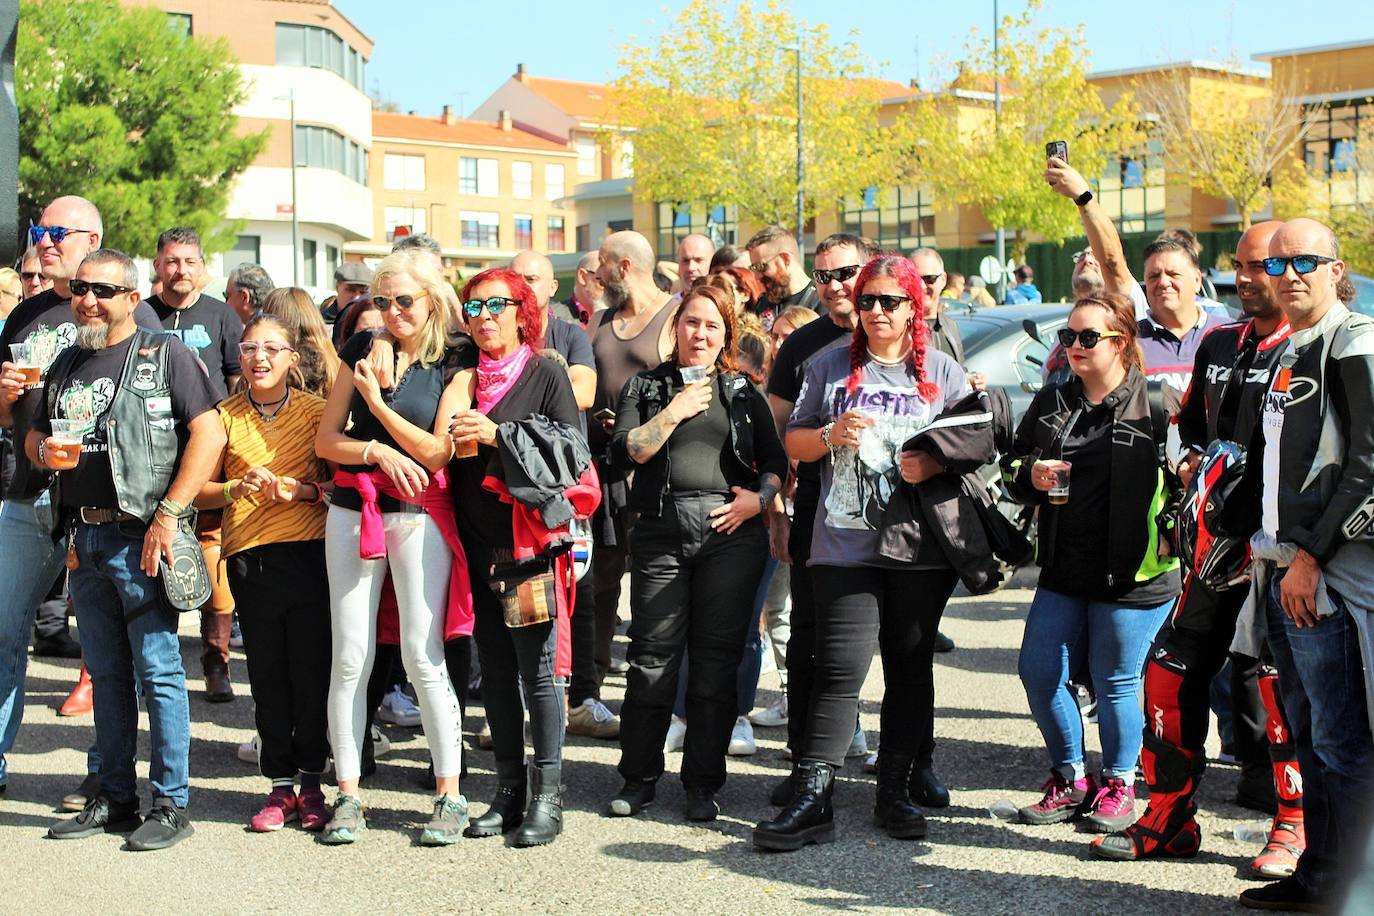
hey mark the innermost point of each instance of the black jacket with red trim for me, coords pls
(1215, 406)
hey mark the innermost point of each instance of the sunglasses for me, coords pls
(761, 266)
(101, 290)
(839, 274)
(273, 350)
(1303, 264)
(867, 301)
(403, 301)
(29, 275)
(56, 233)
(494, 305)
(931, 279)
(1087, 339)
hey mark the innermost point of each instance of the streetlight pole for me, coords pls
(295, 216)
(801, 167)
(997, 126)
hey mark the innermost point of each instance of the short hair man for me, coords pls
(776, 258)
(944, 334)
(693, 259)
(586, 299)
(1314, 550)
(420, 241)
(123, 494)
(566, 337)
(31, 275)
(212, 331)
(1024, 291)
(245, 288)
(68, 230)
(954, 285)
(352, 281)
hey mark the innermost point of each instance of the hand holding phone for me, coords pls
(1057, 149)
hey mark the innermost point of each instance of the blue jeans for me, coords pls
(1061, 633)
(1322, 679)
(130, 639)
(29, 562)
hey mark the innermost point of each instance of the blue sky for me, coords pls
(435, 52)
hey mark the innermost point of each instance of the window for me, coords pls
(1132, 189)
(309, 251)
(898, 218)
(619, 225)
(1338, 149)
(627, 159)
(524, 231)
(586, 157)
(553, 182)
(557, 239)
(584, 237)
(312, 46)
(478, 176)
(480, 230)
(247, 248)
(331, 260)
(412, 218)
(521, 180)
(180, 24)
(403, 173)
(719, 224)
(322, 148)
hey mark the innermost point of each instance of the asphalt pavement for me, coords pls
(971, 863)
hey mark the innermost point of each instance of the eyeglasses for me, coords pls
(839, 274)
(867, 301)
(403, 301)
(931, 279)
(101, 290)
(273, 350)
(1080, 255)
(29, 275)
(494, 305)
(762, 265)
(1087, 338)
(1302, 264)
(56, 233)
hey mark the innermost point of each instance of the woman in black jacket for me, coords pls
(707, 463)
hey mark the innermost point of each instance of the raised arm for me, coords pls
(1097, 225)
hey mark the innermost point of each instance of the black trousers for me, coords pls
(692, 588)
(608, 569)
(801, 643)
(282, 597)
(896, 611)
(51, 618)
(585, 682)
(516, 662)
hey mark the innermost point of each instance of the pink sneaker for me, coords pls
(314, 811)
(1113, 806)
(282, 806)
(1063, 800)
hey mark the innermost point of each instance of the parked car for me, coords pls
(1225, 283)
(997, 344)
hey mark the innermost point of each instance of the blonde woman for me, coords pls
(296, 310)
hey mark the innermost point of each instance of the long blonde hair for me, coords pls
(441, 327)
(295, 310)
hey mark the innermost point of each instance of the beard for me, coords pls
(615, 292)
(93, 336)
(1259, 306)
(1086, 284)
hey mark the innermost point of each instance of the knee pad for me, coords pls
(1168, 767)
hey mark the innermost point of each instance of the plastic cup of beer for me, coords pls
(464, 449)
(692, 374)
(1059, 490)
(68, 434)
(27, 365)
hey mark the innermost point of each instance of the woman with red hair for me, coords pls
(510, 383)
(856, 409)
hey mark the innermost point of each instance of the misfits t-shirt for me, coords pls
(44, 321)
(856, 483)
(212, 330)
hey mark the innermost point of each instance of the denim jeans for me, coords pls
(1322, 679)
(29, 563)
(127, 636)
(1063, 631)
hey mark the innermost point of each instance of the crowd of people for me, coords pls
(784, 462)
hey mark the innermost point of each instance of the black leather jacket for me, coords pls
(754, 442)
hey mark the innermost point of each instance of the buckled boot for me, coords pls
(544, 819)
(809, 817)
(507, 808)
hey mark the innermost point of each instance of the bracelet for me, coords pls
(42, 452)
(825, 434)
(319, 495)
(228, 496)
(173, 510)
(367, 450)
(162, 524)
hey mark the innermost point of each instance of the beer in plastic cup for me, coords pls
(692, 374)
(1059, 491)
(68, 434)
(465, 449)
(27, 365)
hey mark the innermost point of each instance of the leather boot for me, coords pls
(214, 637)
(81, 700)
(1168, 827)
(507, 808)
(893, 810)
(784, 791)
(809, 817)
(925, 788)
(544, 819)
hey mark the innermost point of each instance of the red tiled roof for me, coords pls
(476, 133)
(584, 101)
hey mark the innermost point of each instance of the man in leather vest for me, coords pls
(149, 440)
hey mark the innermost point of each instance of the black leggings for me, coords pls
(898, 612)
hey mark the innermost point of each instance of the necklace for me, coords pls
(889, 362)
(279, 403)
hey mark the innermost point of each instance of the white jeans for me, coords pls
(420, 561)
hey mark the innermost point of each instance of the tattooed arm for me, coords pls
(643, 442)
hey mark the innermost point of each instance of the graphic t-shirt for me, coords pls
(44, 321)
(212, 329)
(856, 483)
(87, 395)
(1271, 422)
(802, 347)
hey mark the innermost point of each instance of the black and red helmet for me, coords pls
(1215, 558)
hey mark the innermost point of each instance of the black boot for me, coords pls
(926, 789)
(782, 793)
(808, 818)
(894, 811)
(544, 819)
(508, 808)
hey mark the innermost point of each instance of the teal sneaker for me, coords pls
(446, 826)
(345, 822)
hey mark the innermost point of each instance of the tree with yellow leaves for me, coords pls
(969, 160)
(713, 110)
(1338, 191)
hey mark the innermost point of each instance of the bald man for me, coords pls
(1317, 501)
(566, 337)
(693, 259)
(586, 299)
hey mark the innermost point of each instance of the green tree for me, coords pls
(117, 107)
(713, 108)
(1045, 96)
(1337, 193)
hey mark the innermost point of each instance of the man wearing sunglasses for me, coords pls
(1316, 551)
(29, 560)
(212, 330)
(944, 334)
(777, 261)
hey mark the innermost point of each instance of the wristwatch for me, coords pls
(1082, 199)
